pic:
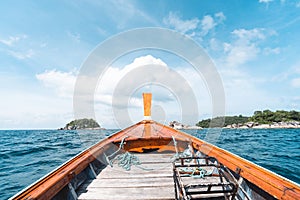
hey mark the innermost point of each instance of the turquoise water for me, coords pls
(28, 155)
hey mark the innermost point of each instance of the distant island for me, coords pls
(260, 119)
(81, 124)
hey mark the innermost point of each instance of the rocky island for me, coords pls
(81, 124)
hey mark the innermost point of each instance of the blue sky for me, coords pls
(254, 44)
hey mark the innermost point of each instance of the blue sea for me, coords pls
(27, 155)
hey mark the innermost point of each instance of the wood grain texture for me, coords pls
(116, 183)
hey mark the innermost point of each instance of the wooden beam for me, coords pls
(147, 97)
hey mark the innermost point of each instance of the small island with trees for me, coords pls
(260, 119)
(81, 124)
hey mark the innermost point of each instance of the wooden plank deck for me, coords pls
(137, 184)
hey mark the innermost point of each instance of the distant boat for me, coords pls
(151, 161)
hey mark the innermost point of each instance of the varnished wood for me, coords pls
(147, 97)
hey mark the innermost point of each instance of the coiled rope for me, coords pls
(125, 160)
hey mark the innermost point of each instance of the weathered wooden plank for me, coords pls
(122, 173)
(154, 170)
(116, 175)
(116, 183)
(152, 161)
(145, 169)
(137, 183)
(163, 193)
(155, 158)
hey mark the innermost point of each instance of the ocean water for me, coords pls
(27, 155)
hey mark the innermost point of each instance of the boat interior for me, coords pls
(151, 168)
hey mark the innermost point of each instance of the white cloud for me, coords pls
(16, 49)
(119, 84)
(62, 82)
(12, 40)
(247, 35)
(246, 46)
(195, 26)
(240, 54)
(207, 23)
(114, 74)
(21, 55)
(145, 60)
(265, 1)
(214, 44)
(269, 50)
(220, 17)
(183, 26)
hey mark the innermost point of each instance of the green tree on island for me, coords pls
(260, 117)
(216, 122)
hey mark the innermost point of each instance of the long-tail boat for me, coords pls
(152, 161)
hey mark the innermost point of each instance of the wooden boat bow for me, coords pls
(147, 136)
